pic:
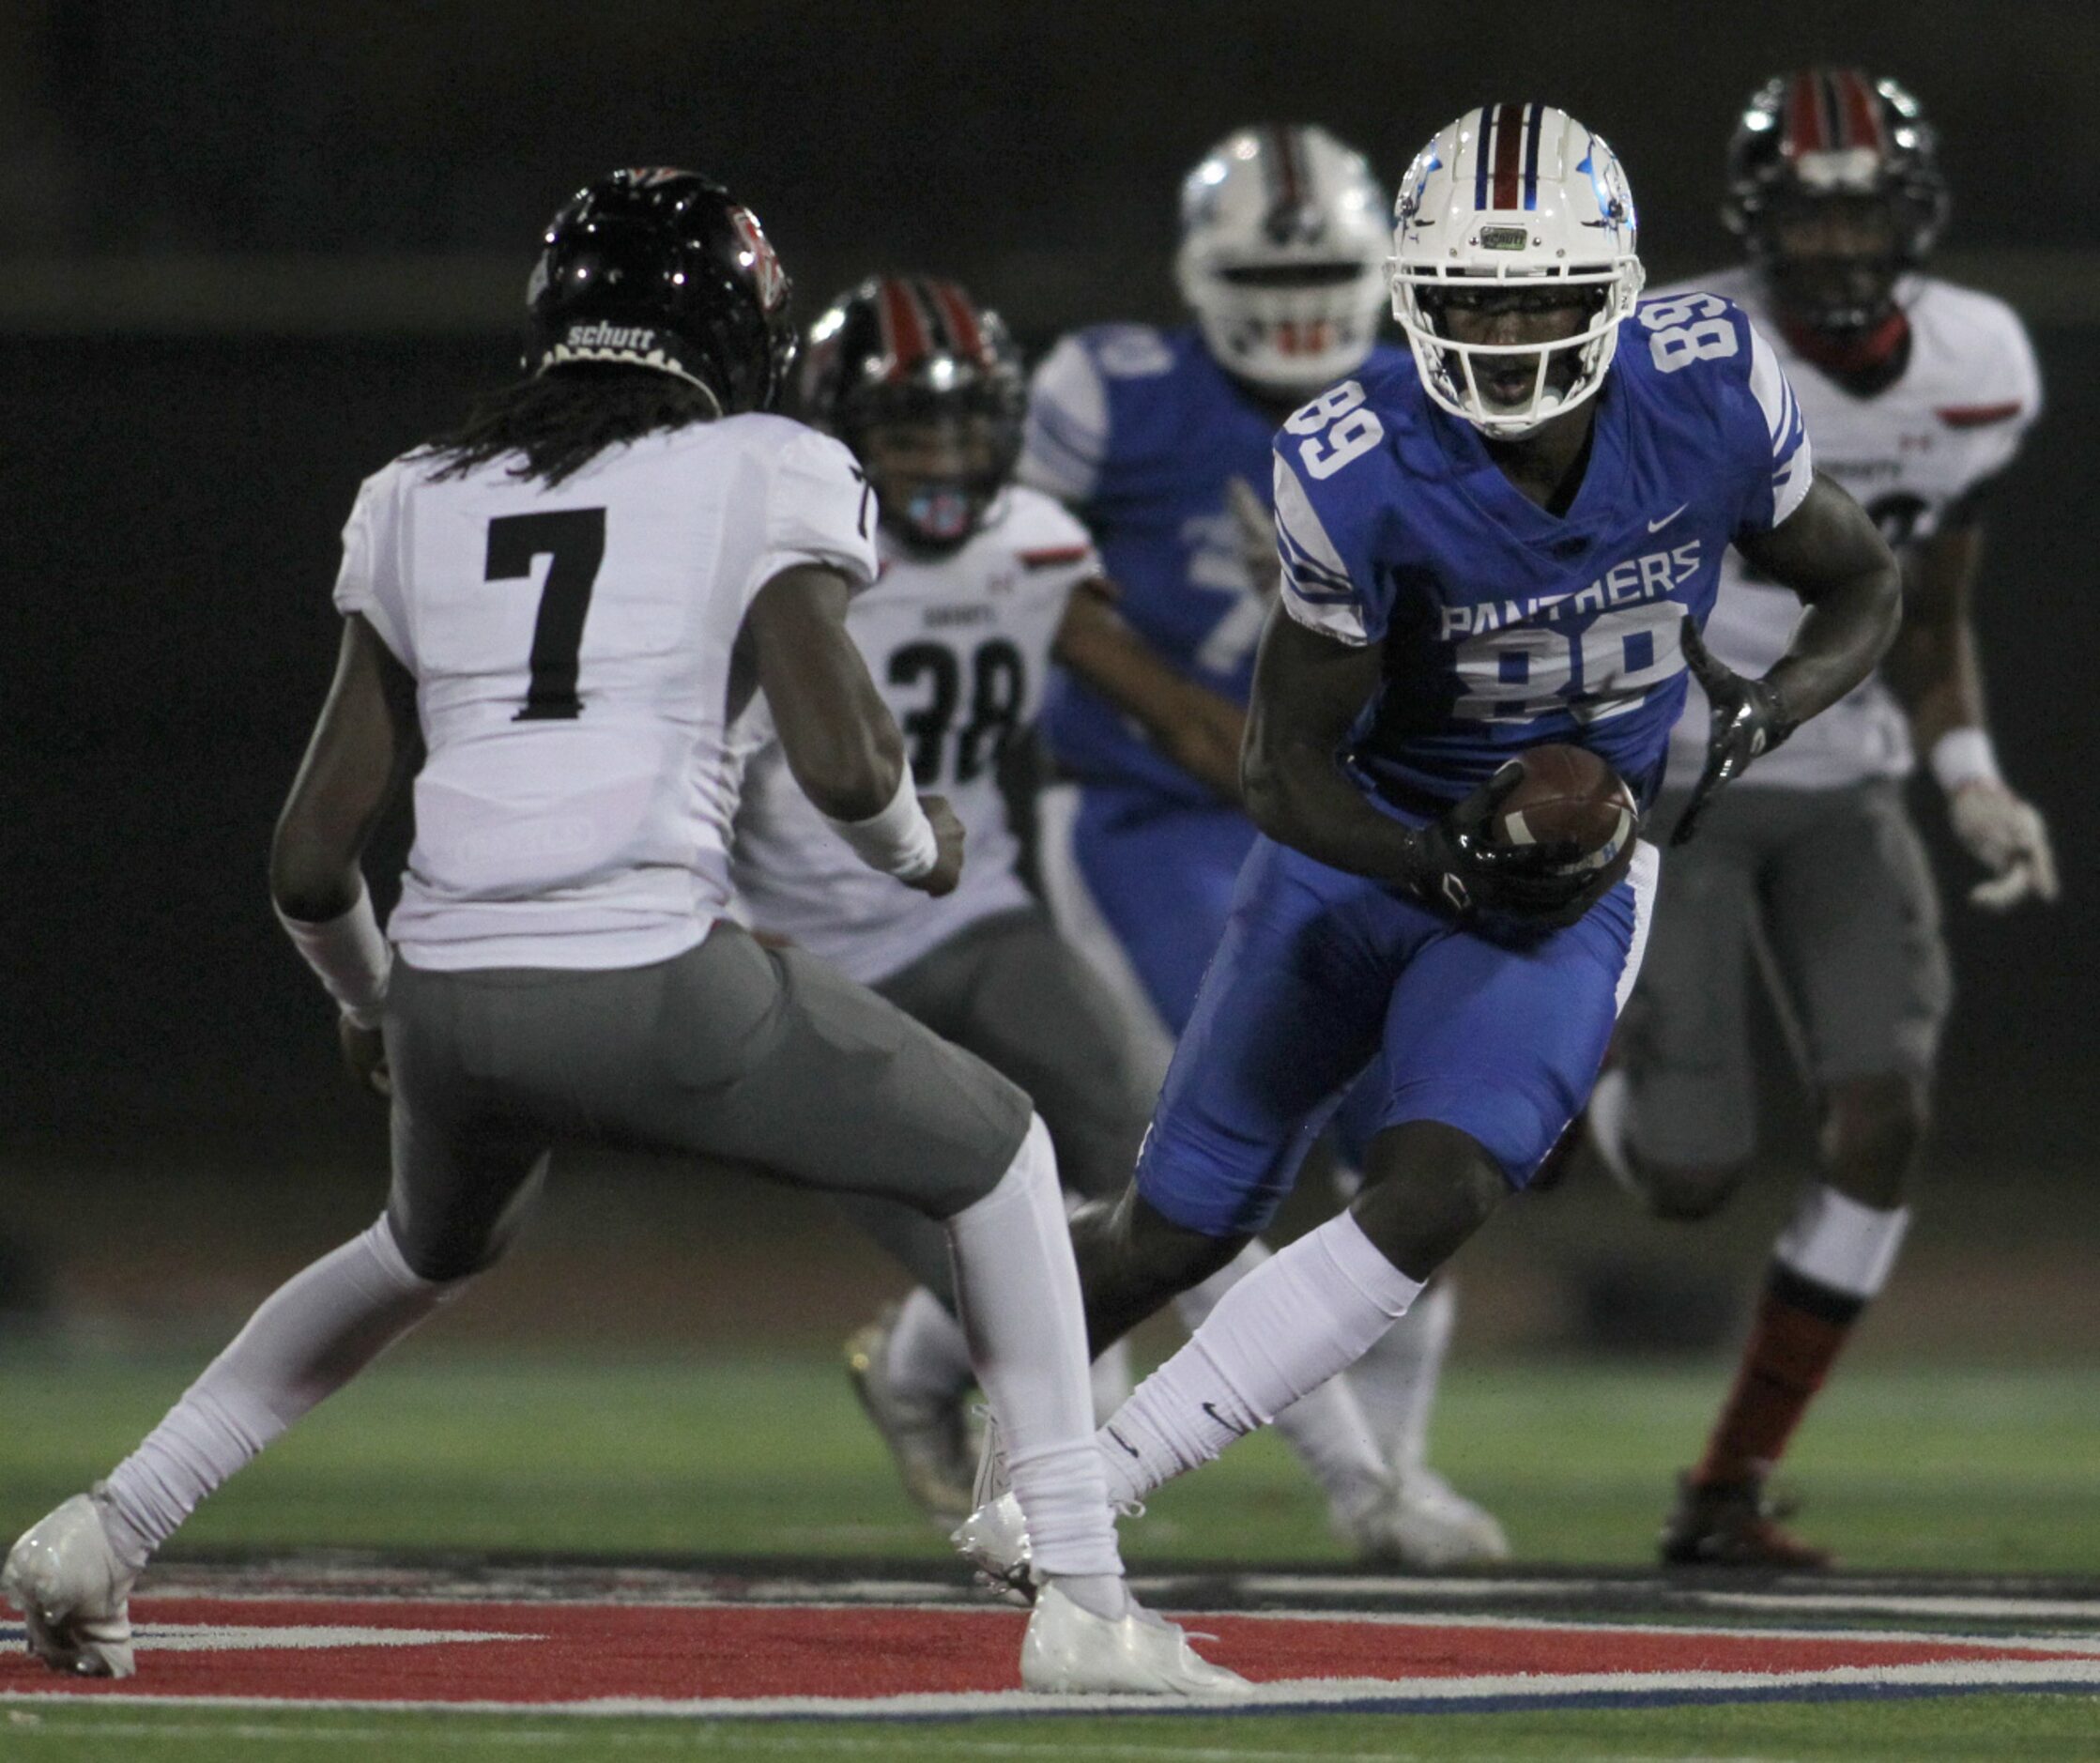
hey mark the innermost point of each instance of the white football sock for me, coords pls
(1326, 1427)
(929, 1358)
(1396, 1379)
(1277, 1334)
(1110, 1381)
(1836, 1242)
(314, 1333)
(1018, 1292)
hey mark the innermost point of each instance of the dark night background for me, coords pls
(253, 249)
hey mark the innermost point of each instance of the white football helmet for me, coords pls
(1282, 252)
(1514, 194)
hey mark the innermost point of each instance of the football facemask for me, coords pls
(1524, 198)
(1281, 247)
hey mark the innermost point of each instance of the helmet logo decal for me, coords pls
(641, 337)
(758, 257)
(649, 177)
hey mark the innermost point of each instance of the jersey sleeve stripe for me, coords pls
(1317, 591)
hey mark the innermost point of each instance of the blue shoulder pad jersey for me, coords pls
(1139, 432)
(1505, 627)
(1502, 627)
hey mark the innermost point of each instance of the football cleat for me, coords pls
(1423, 1524)
(994, 1541)
(73, 1592)
(928, 1439)
(1071, 1651)
(1734, 1526)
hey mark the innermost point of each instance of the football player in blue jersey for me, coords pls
(1159, 440)
(1508, 542)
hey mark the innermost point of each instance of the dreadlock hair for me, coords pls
(563, 419)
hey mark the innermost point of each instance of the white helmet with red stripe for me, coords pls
(1282, 252)
(1515, 194)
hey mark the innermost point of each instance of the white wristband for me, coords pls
(898, 842)
(351, 955)
(1964, 755)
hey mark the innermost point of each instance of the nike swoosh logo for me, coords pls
(1657, 526)
(1231, 1426)
(1122, 1441)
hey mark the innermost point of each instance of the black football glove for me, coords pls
(1461, 870)
(1749, 720)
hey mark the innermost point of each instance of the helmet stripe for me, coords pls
(904, 332)
(1509, 154)
(1863, 115)
(1533, 126)
(1831, 117)
(1483, 134)
(1804, 128)
(956, 318)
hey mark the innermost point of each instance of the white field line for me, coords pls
(192, 1637)
(701, 1738)
(1297, 1694)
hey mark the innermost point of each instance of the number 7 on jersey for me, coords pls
(575, 540)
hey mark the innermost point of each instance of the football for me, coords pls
(1570, 797)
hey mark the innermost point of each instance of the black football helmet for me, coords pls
(908, 350)
(663, 269)
(1834, 140)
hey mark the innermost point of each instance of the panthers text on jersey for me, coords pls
(1504, 626)
(958, 646)
(571, 647)
(1910, 454)
(1140, 431)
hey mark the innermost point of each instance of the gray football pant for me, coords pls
(728, 1051)
(1832, 887)
(1015, 993)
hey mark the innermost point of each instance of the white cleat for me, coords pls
(1071, 1651)
(994, 1541)
(73, 1592)
(1425, 1525)
(929, 1440)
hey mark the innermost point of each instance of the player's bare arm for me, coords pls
(1833, 556)
(839, 739)
(363, 747)
(1830, 554)
(1309, 689)
(1934, 670)
(1198, 730)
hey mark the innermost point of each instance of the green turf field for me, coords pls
(1971, 1729)
(1968, 1470)
(1972, 1470)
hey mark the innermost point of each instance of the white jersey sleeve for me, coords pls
(1793, 462)
(1067, 438)
(368, 585)
(819, 509)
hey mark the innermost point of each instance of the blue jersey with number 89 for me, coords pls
(1504, 626)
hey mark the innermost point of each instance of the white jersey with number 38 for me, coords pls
(958, 646)
(1909, 454)
(571, 647)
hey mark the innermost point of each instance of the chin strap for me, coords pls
(1849, 353)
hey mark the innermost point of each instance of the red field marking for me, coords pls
(548, 1655)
